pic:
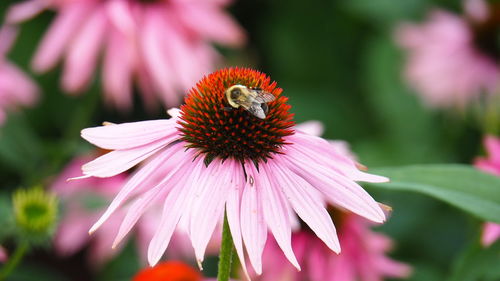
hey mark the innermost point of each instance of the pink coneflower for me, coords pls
(363, 256)
(491, 231)
(16, 88)
(211, 156)
(453, 60)
(162, 44)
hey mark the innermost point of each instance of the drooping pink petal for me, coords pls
(121, 16)
(276, 215)
(253, 226)
(72, 234)
(317, 264)
(311, 212)
(147, 171)
(139, 207)
(155, 59)
(119, 62)
(173, 209)
(17, 88)
(23, 11)
(338, 189)
(8, 35)
(323, 151)
(60, 33)
(392, 268)
(341, 269)
(117, 161)
(129, 135)
(208, 206)
(233, 211)
(82, 54)
(178, 51)
(211, 23)
(100, 249)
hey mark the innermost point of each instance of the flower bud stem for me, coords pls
(226, 253)
(13, 260)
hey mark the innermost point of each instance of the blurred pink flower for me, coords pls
(363, 256)
(16, 88)
(219, 171)
(163, 45)
(453, 60)
(83, 202)
(491, 231)
(3, 254)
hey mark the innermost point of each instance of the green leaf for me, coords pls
(462, 186)
(20, 148)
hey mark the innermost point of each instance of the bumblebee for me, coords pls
(253, 100)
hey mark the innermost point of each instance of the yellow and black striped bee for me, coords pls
(254, 100)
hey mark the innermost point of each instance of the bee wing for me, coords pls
(256, 109)
(263, 97)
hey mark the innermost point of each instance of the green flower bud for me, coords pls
(35, 212)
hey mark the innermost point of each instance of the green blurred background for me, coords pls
(337, 62)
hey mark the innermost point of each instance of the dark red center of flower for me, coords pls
(486, 33)
(210, 125)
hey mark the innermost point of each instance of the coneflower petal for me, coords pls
(129, 135)
(309, 210)
(253, 226)
(117, 161)
(173, 208)
(276, 215)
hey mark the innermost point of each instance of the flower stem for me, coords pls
(226, 253)
(13, 260)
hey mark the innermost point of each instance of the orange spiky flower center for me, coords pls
(210, 125)
(168, 271)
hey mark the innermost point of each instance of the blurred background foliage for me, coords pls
(338, 63)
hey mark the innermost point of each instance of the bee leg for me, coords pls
(265, 108)
(228, 108)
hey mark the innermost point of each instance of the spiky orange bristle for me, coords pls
(208, 126)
